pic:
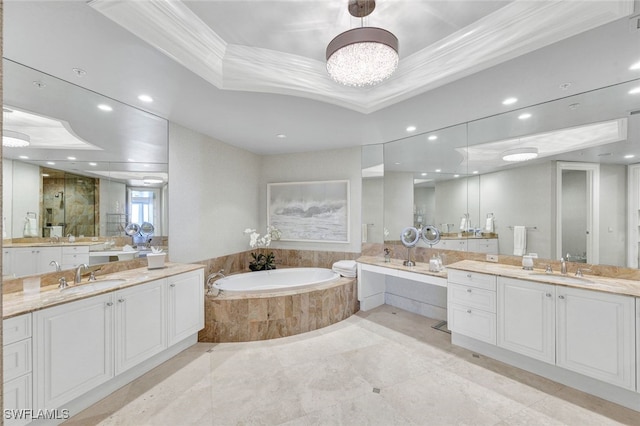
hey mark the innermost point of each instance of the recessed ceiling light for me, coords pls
(423, 174)
(524, 116)
(629, 156)
(509, 101)
(281, 136)
(475, 172)
(71, 158)
(635, 66)
(634, 91)
(145, 98)
(23, 157)
(93, 164)
(520, 154)
(105, 107)
(432, 137)
(456, 175)
(397, 163)
(51, 163)
(438, 170)
(130, 160)
(45, 175)
(79, 72)
(411, 129)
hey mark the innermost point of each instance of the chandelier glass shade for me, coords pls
(362, 56)
(520, 154)
(13, 139)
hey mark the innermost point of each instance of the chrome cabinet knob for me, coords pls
(548, 294)
(468, 290)
(172, 285)
(120, 300)
(468, 311)
(109, 303)
(560, 297)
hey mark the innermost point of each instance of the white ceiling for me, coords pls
(235, 94)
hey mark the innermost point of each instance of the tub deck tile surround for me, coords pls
(261, 316)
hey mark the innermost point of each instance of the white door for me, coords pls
(186, 305)
(73, 350)
(140, 324)
(526, 318)
(596, 335)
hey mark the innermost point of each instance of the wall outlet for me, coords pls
(492, 258)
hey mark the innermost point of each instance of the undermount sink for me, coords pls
(92, 286)
(562, 278)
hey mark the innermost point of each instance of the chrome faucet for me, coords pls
(79, 269)
(579, 271)
(211, 277)
(563, 266)
(62, 283)
(56, 264)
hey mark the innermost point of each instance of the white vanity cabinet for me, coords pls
(596, 335)
(33, 260)
(185, 305)
(527, 318)
(7, 267)
(483, 245)
(17, 377)
(72, 256)
(140, 323)
(471, 305)
(73, 349)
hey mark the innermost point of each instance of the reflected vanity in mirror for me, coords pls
(580, 151)
(91, 165)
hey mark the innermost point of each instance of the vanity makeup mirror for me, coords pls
(86, 154)
(596, 130)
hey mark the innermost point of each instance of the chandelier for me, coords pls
(13, 139)
(362, 56)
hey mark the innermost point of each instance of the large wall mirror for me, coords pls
(92, 165)
(576, 195)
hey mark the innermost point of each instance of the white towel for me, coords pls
(463, 224)
(364, 233)
(519, 240)
(488, 227)
(56, 231)
(30, 227)
(346, 268)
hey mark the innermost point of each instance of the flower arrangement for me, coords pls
(261, 261)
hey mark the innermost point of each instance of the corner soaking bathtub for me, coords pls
(276, 279)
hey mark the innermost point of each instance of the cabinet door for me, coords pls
(7, 267)
(526, 318)
(471, 322)
(45, 256)
(596, 335)
(186, 305)
(73, 350)
(140, 323)
(24, 261)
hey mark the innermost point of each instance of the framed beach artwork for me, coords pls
(310, 211)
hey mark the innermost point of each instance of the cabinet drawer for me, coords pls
(16, 359)
(17, 396)
(472, 322)
(473, 279)
(472, 296)
(75, 250)
(71, 259)
(16, 328)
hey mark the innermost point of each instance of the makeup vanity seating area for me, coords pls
(67, 349)
(583, 332)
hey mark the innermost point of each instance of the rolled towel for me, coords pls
(346, 268)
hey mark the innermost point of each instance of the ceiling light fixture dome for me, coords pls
(520, 154)
(13, 139)
(362, 56)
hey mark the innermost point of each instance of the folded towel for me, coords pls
(488, 227)
(56, 231)
(30, 227)
(346, 268)
(519, 240)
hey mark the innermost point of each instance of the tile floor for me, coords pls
(382, 367)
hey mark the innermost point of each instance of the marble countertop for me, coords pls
(419, 268)
(589, 282)
(18, 303)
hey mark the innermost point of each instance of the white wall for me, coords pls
(372, 214)
(113, 199)
(613, 214)
(27, 178)
(213, 196)
(7, 198)
(424, 199)
(314, 166)
(398, 203)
